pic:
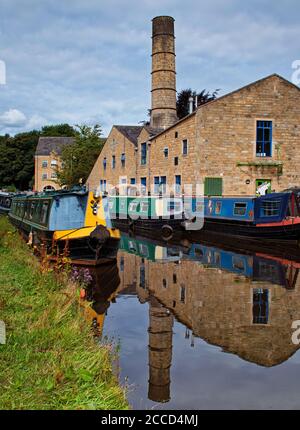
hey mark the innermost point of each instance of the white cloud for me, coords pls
(13, 118)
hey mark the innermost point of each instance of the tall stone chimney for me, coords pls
(160, 351)
(163, 92)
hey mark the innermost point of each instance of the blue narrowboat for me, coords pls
(75, 222)
(275, 216)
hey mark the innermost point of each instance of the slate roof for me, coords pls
(131, 132)
(46, 145)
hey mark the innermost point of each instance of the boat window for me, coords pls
(240, 209)
(217, 258)
(44, 212)
(32, 208)
(174, 206)
(122, 204)
(218, 208)
(238, 264)
(133, 206)
(199, 253)
(144, 250)
(270, 208)
(144, 206)
(132, 246)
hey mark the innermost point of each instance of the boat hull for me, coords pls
(147, 225)
(283, 232)
(79, 251)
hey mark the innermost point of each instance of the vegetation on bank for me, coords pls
(50, 359)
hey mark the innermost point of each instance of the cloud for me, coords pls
(12, 118)
(92, 61)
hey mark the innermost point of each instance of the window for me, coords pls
(143, 153)
(264, 182)
(174, 278)
(175, 161)
(53, 163)
(213, 186)
(142, 275)
(178, 184)
(264, 138)
(144, 206)
(113, 162)
(184, 147)
(132, 181)
(182, 294)
(122, 263)
(166, 152)
(104, 163)
(44, 212)
(53, 175)
(176, 134)
(143, 185)
(260, 309)
(160, 184)
(270, 208)
(240, 209)
(123, 158)
(164, 283)
(44, 176)
(133, 206)
(44, 164)
(102, 184)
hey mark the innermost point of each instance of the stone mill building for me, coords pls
(231, 145)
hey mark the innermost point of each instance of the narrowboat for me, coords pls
(5, 202)
(274, 216)
(160, 213)
(75, 223)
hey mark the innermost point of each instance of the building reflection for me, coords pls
(243, 303)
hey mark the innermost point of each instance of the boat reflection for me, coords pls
(243, 302)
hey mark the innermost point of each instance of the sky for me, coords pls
(88, 61)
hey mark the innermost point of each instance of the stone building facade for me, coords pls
(215, 305)
(231, 145)
(47, 161)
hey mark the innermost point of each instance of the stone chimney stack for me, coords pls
(163, 106)
(160, 351)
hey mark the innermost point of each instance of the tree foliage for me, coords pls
(17, 155)
(79, 158)
(17, 160)
(182, 103)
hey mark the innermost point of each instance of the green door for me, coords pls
(260, 182)
(213, 186)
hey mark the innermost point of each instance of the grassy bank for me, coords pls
(50, 359)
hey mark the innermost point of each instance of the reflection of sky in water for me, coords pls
(202, 377)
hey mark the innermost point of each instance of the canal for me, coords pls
(199, 326)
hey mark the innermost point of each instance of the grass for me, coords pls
(50, 359)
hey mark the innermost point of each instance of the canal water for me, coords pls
(200, 326)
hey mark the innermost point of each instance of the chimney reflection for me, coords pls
(160, 351)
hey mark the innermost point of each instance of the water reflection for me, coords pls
(244, 303)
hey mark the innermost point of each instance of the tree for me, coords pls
(65, 130)
(79, 158)
(17, 159)
(182, 103)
